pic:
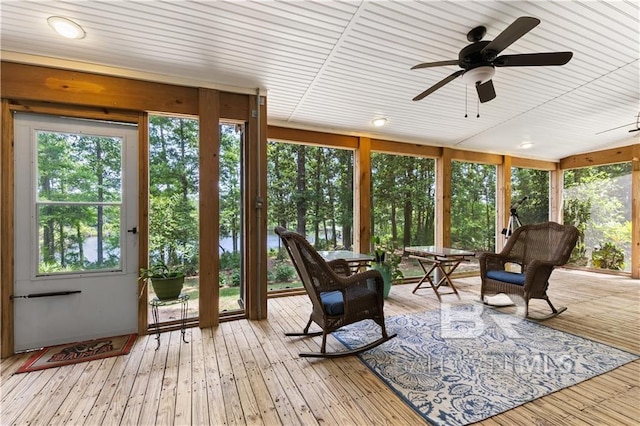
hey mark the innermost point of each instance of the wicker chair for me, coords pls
(537, 249)
(338, 298)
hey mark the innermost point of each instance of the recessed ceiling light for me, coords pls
(379, 121)
(526, 145)
(66, 27)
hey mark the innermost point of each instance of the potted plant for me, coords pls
(167, 281)
(387, 262)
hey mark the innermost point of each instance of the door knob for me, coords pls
(133, 230)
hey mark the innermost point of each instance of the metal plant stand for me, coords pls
(155, 303)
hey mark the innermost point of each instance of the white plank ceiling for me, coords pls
(335, 66)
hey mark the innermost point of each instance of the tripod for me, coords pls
(514, 219)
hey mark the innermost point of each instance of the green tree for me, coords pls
(598, 201)
(311, 189)
(402, 199)
(78, 169)
(173, 190)
(230, 185)
(533, 184)
(473, 206)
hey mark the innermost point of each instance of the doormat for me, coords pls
(462, 364)
(73, 353)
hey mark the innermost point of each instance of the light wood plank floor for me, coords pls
(246, 372)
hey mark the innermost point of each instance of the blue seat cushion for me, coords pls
(333, 302)
(506, 277)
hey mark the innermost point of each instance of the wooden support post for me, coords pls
(556, 188)
(209, 113)
(143, 219)
(443, 199)
(362, 197)
(6, 232)
(503, 201)
(255, 251)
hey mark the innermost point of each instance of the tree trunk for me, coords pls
(80, 246)
(318, 195)
(347, 221)
(63, 253)
(408, 216)
(301, 196)
(332, 206)
(394, 224)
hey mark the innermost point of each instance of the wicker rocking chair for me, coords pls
(338, 298)
(537, 249)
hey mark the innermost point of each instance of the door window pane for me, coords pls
(72, 239)
(78, 202)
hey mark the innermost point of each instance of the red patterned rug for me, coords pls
(73, 353)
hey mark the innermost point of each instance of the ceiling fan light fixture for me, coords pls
(66, 27)
(379, 122)
(478, 75)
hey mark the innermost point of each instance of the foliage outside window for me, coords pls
(473, 208)
(402, 204)
(597, 200)
(230, 186)
(173, 201)
(78, 201)
(310, 190)
(533, 184)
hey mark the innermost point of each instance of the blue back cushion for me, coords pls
(506, 277)
(333, 302)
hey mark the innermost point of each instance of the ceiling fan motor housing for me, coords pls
(472, 55)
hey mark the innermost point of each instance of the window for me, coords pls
(473, 209)
(534, 186)
(310, 190)
(173, 203)
(231, 242)
(597, 200)
(78, 204)
(402, 204)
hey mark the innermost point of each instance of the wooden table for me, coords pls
(441, 261)
(356, 261)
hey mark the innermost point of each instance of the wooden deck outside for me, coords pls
(245, 372)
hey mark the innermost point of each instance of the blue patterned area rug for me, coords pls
(465, 363)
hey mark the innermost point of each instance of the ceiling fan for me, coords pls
(479, 59)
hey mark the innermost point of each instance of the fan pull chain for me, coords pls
(466, 93)
(478, 109)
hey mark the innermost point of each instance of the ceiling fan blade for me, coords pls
(438, 85)
(435, 64)
(616, 128)
(533, 59)
(513, 32)
(486, 91)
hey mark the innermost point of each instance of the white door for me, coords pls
(75, 199)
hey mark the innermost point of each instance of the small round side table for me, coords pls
(155, 303)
